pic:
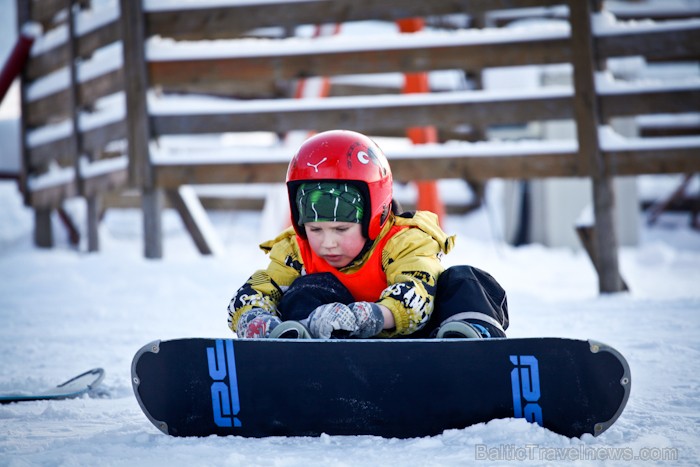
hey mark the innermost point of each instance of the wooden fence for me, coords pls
(94, 97)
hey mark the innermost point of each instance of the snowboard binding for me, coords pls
(290, 330)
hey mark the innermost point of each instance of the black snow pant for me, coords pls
(463, 293)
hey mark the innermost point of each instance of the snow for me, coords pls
(65, 311)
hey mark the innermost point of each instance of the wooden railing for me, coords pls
(106, 73)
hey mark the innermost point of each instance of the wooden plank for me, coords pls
(366, 57)
(49, 109)
(47, 62)
(653, 160)
(94, 140)
(362, 115)
(43, 11)
(57, 150)
(52, 197)
(641, 101)
(649, 160)
(56, 106)
(587, 122)
(629, 162)
(655, 130)
(485, 168)
(132, 199)
(242, 76)
(656, 11)
(173, 175)
(185, 201)
(446, 116)
(106, 183)
(404, 169)
(660, 206)
(232, 20)
(57, 57)
(105, 34)
(679, 43)
(444, 111)
(266, 87)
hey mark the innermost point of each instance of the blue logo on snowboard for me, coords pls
(224, 398)
(525, 382)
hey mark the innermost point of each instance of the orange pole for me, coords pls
(303, 90)
(428, 195)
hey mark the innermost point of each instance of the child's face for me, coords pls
(336, 242)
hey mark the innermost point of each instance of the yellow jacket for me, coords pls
(410, 260)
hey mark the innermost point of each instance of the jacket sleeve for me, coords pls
(411, 261)
(264, 289)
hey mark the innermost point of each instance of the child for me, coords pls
(351, 266)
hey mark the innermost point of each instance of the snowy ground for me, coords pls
(63, 312)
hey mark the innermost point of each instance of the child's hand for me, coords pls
(370, 320)
(256, 323)
(359, 319)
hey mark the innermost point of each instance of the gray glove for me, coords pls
(359, 319)
(256, 323)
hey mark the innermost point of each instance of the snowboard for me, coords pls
(398, 388)
(74, 387)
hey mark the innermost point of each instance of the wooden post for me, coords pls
(92, 202)
(586, 234)
(590, 156)
(141, 172)
(94, 211)
(43, 233)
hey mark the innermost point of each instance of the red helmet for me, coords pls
(348, 156)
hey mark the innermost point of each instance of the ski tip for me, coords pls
(77, 386)
(625, 382)
(97, 373)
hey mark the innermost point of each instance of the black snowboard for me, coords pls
(392, 388)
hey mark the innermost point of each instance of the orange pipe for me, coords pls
(428, 194)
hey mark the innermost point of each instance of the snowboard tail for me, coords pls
(392, 388)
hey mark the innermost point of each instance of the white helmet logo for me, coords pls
(315, 166)
(363, 157)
